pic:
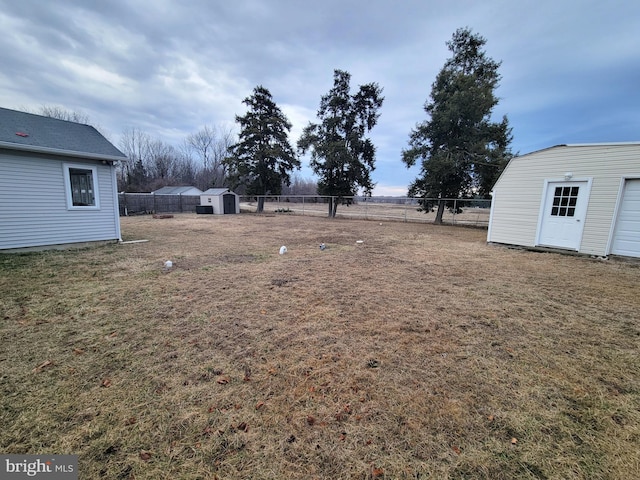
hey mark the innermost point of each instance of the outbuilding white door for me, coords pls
(626, 238)
(564, 211)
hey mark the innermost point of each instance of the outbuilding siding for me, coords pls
(520, 189)
(33, 208)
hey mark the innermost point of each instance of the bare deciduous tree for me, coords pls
(300, 186)
(55, 111)
(210, 144)
(134, 143)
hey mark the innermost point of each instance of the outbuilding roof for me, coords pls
(178, 191)
(215, 191)
(564, 145)
(35, 133)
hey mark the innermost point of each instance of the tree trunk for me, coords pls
(333, 206)
(440, 211)
(260, 204)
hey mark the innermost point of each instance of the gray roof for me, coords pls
(178, 190)
(215, 191)
(35, 133)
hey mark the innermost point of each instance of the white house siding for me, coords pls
(520, 189)
(33, 208)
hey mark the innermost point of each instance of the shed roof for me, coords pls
(35, 133)
(215, 191)
(568, 145)
(525, 157)
(178, 190)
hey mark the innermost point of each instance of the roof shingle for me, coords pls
(34, 132)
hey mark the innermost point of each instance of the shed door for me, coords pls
(229, 203)
(565, 208)
(626, 238)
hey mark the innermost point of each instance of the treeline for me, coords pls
(153, 163)
(198, 160)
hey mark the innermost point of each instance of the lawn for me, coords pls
(372, 210)
(421, 352)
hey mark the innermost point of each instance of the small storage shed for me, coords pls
(583, 198)
(223, 201)
(57, 183)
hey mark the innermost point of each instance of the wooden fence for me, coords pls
(146, 203)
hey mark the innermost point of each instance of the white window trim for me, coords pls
(67, 185)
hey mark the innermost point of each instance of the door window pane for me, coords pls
(563, 197)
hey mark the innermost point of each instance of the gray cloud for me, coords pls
(570, 69)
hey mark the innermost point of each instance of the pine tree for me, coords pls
(462, 151)
(263, 157)
(341, 155)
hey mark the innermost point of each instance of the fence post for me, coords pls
(455, 210)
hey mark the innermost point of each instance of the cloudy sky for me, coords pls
(570, 68)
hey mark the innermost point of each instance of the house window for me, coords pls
(564, 201)
(81, 183)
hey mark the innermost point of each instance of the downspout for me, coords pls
(493, 202)
(116, 210)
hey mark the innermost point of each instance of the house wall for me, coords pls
(33, 208)
(520, 190)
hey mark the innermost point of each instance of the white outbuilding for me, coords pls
(583, 198)
(221, 200)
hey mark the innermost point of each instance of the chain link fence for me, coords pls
(472, 212)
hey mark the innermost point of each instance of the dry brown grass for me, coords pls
(421, 353)
(375, 211)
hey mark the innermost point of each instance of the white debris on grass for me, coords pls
(283, 250)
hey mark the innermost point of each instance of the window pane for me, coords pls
(81, 181)
(556, 201)
(564, 201)
(572, 201)
(554, 211)
(558, 191)
(563, 212)
(574, 191)
(571, 212)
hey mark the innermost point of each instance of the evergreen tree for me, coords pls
(263, 156)
(461, 150)
(341, 155)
